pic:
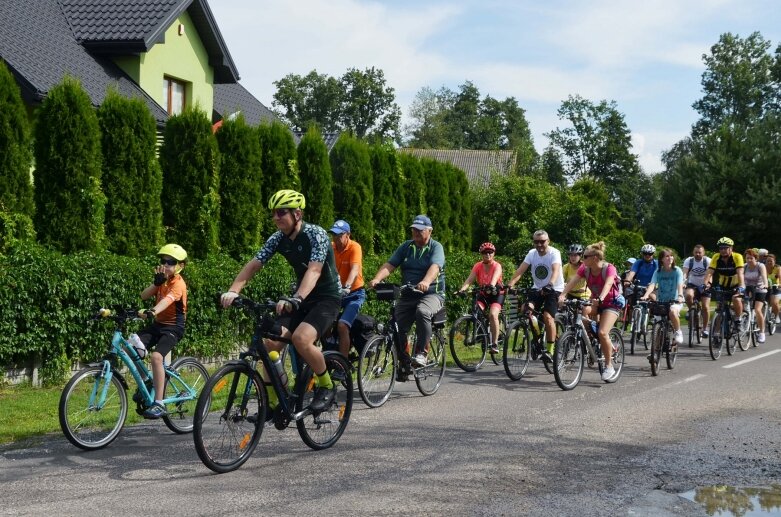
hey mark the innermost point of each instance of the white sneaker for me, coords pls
(608, 373)
(419, 360)
(678, 337)
(761, 337)
(778, 320)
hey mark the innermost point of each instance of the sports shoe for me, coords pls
(337, 375)
(419, 360)
(322, 399)
(494, 349)
(778, 320)
(608, 373)
(705, 333)
(678, 337)
(761, 337)
(155, 411)
(546, 358)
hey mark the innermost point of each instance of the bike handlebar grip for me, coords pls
(104, 313)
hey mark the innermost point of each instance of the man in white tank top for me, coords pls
(694, 269)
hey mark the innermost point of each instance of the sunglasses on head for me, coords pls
(168, 262)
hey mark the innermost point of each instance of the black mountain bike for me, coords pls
(661, 338)
(385, 359)
(233, 406)
(723, 331)
(470, 335)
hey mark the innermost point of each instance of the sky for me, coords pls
(644, 55)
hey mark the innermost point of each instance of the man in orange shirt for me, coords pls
(349, 263)
(170, 293)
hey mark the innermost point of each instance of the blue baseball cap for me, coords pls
(340, 227)
(421, 222)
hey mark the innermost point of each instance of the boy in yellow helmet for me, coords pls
(170, 311)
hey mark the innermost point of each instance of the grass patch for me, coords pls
(27, 412)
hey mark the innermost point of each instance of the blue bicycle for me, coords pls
(94, 404)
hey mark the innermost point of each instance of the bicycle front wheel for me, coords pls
(229, 417)
(497, 357)
(92, 409)
(191, 376)
(746, 334)
(468, 343)
(716, 340)
(322, 430)
(377, 371)
(429, 377)
(770, 321)
(695, 335)
(635, 334)
(568, 360)
(517, 351)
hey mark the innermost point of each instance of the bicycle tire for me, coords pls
(569, 358)
(770, 320)
(179, 416)
(322, 430)
(716, 338)
(428, 378)
(516, 353)
(468, 343)
(671, 354)
(657, 345)
(496, 358)
(84, 426)
(377, 371)
(617, 341)
(549, 366)
(734, 338)
(694, 326)
(223, 431)
(747, 334)
(633, 336)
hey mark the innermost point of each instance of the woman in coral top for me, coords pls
(488, 273)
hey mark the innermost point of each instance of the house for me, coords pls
(478, 165)
(170, 53)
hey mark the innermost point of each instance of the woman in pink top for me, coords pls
(602, 280)
(488, 274)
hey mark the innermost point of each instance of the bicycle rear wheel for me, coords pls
(429, 377)
(517, 351)
(770, 320)
(657, 346)
(671, 355)
(747, 330)
(568, 360)
(635, 334)
(497, 357)
(229, 417)
(468, 343)
(193, 375)
(377, 371)
(617, 341)
(322, 430)
(87, 422)
(695, 335)
(716, 340)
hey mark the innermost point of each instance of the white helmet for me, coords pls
(648, 248)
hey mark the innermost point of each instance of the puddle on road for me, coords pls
(723, 500)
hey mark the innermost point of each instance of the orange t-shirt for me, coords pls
(176, 290)
(352, 254)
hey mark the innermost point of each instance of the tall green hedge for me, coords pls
(389, 220)
(437, 178)
(353, 189)
(413, 186)
(241, 184)
(316, 179)
(190, 162)
(132, 179)
(16, 189)
(279, 153)
(460, 222)
(70, 205)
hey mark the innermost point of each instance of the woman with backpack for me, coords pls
(603, 282)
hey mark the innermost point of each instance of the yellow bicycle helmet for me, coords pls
(287, 199)
(175, 251)
(725, 241)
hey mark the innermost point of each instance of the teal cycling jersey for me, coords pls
(415, 262)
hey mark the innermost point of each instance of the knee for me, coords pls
(157, 358)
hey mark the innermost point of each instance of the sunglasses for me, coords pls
(486, 252)
(168, 262)
(648, 254)
(543, 241)
(279, 212)
(589, 256)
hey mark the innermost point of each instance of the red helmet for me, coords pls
(487, 246)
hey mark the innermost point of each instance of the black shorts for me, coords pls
(161, 338)
(548, 302)
(320, 313)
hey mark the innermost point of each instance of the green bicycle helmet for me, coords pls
(725, 241)
(287, 199)
(175, 251)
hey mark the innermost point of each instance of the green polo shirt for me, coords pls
(415, 261)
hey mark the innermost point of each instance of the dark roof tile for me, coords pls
(477, 164)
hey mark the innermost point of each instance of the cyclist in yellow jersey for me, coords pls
(570, 271)
(773, 278)
(727, 267)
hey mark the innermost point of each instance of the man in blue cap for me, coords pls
(349, 263)
(422, 262)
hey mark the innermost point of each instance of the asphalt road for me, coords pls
(481, 446)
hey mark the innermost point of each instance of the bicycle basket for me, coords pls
(659, 309)
(387, 292)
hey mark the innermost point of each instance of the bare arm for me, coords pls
(382, 273)
(431, 275)
(468, 281)
(354, 270)
(518, 274)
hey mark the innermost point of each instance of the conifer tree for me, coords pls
(353, 190)
(16, 189)
(316, 179)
